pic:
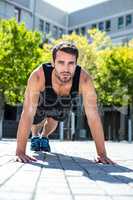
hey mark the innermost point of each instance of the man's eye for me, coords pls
(61, 62)
(72, 63)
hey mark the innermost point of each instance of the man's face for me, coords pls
(65, 65)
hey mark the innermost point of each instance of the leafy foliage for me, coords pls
(115, 75)
(19, 54)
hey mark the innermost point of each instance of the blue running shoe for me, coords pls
(44, 144)
(35, 143)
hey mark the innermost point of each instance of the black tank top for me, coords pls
(50, 102)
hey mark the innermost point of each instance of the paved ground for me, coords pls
(68, 173)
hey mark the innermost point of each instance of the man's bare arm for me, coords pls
(93, 117)
(29, 109)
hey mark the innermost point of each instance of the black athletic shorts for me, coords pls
(58, 115)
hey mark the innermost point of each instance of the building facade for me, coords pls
(37, 15)
(114, 17)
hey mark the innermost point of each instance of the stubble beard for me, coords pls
(67, 79)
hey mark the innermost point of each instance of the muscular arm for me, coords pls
(29, 109)
(93, 117)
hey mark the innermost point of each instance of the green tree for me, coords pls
(115, 75)
(19, 54)
(99, 40)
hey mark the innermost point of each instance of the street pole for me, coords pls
(61, 130)
(129, 130)
(72, 124)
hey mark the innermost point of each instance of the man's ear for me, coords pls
(53, 64)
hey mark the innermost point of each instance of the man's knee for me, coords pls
(52, 123)
(35, 128)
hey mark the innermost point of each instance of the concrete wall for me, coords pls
(95, 13)
(50, 12)
(32, 11)
(110, 10)
(7, 11)
(25, 3)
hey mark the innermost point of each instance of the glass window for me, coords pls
(128, 19)
(17, 13)
(47, 27)
(120, 22)
(101, 26)
(108, 25)
(70, 31)
(125, 41)
(83, 30)
(41, 25)
(55, 32)
(94, 26)
(77, 31)
(60, 32)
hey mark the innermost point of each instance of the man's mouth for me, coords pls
(66, 74)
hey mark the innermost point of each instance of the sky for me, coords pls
(73, 5)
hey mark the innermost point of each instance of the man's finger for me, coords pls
(32, 158)
(17, 159)
(22, 159)
(100, 160)
(110, 161)
(104, 160)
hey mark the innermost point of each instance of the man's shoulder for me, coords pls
(85, 81)
(84, 76)
(37, 76)
(38, 72)
(41, 66)
(46, 65)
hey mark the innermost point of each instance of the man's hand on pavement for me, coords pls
(22, 157)
(104, 159)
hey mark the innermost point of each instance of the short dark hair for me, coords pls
(67, 47)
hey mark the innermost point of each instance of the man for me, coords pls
(50, 91)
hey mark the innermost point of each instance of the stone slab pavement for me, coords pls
(67, 173)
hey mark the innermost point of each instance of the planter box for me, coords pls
(9, 129)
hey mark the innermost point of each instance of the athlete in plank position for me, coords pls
(51, 90)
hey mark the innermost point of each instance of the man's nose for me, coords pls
(66, 66)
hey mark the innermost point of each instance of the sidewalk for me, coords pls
(68, 173)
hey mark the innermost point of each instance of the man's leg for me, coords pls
(36, 128)
(49, 126)
(35, 139)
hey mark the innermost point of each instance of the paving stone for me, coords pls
(68, 173)
(8, 195)
(93, 197)
(53, 197)
(122, 198)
